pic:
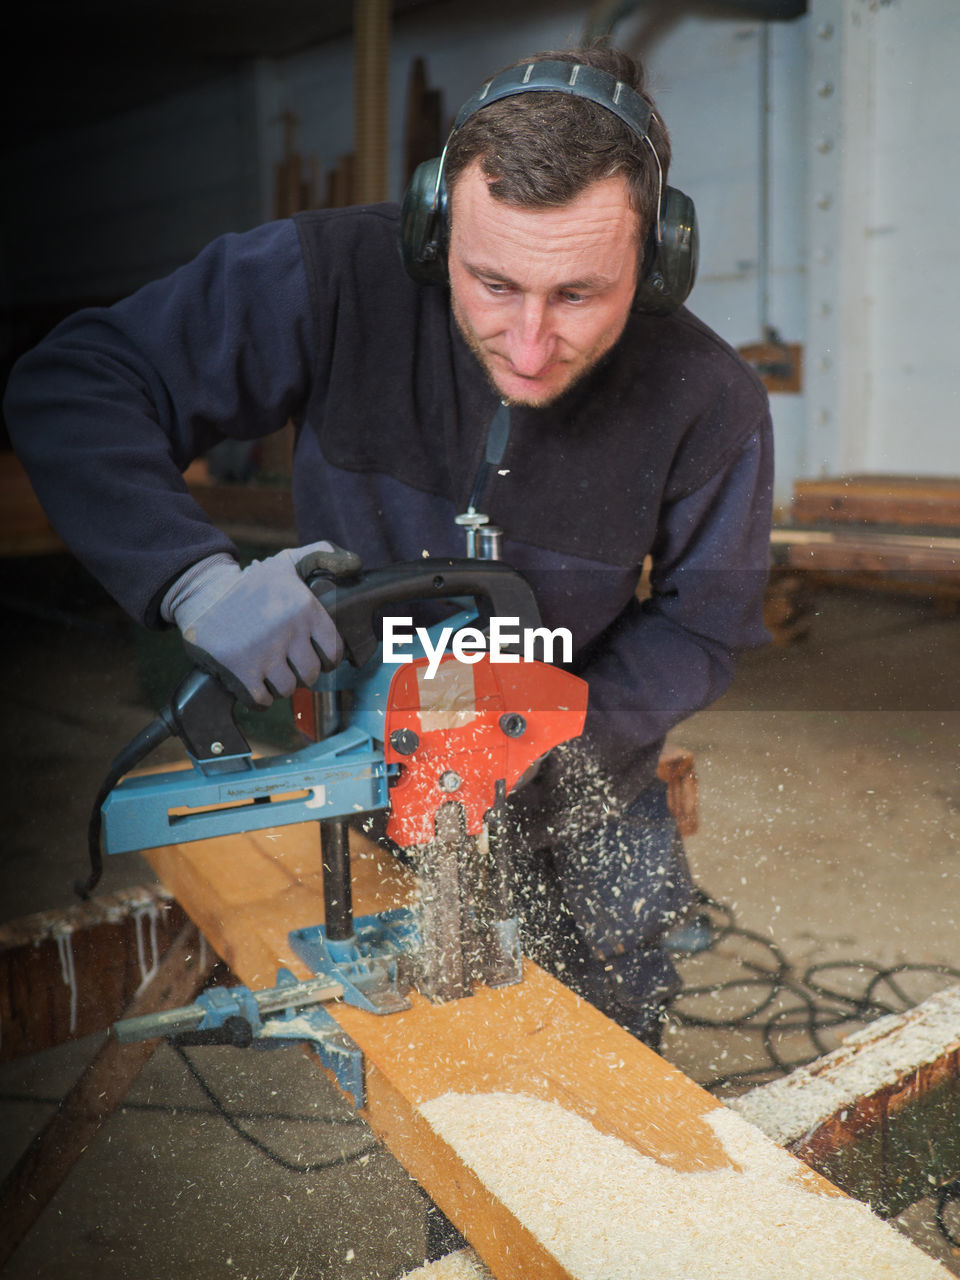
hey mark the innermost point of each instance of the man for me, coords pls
(629, 434)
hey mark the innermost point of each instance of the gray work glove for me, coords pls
(259, 629)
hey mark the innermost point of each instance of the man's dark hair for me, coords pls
(542, 150)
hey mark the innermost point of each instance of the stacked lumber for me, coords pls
(911, 501)
(888, 532)
(67, 973)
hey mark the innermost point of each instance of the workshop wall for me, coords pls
(733, 95)
(819, 153)
(92, 213)
(883, 101)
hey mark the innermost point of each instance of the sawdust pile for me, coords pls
(462, 1265)
(606, 1212)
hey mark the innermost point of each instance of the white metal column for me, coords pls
(841, 121)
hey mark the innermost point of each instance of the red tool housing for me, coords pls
(456, 734)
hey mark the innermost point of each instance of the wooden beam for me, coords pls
(65, 974)
(40, 1171)
(880, 1116)
(872, 559)
(787, 605)
(895, 533)
(423, 128)
(918, 501)
(866, 549)
(555, 1142)
(371, 107)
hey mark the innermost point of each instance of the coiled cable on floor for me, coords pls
(230, 1120)
(810, 1008)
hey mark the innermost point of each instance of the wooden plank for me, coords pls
(880, 1116)
(787, 605)
(341, 182)
(65, 974)
(423, 133)
(866, 549)
(41, 1170)
(24, 527)
(879, 499)
(537, 1046)
(918, 564)
(676, 769)
(888, 533)
(942, 593)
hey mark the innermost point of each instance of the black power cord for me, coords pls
(230, 1120)
(812, 1006)
(133, 753)
(948, 1193)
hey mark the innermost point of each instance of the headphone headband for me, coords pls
(578, 80)
(555, 76)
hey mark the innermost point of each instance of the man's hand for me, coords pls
(260, 629)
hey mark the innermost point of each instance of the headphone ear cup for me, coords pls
(670, 264)
(423, 225)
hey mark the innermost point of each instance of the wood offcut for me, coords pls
(890, 533)
(880, 1116)
(68, 973)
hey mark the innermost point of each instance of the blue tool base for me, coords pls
(339, 777)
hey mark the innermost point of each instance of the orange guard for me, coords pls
(457, 719)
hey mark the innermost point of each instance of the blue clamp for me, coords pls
(367, 965)
(219, 1004)
(336, 1050)
(271, 1019)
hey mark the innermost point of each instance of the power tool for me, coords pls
(434, 745)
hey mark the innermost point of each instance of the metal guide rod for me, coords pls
(172, 1022)
(337, 890)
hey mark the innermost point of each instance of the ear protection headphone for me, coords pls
(670, 254)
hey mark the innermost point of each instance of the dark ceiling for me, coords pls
(74, 63)
(77, 62)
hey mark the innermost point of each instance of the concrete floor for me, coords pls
(830, 824)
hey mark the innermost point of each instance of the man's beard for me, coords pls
(534, 402)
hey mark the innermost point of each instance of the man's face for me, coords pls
(541, 295)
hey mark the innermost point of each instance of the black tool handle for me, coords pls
(202, 709)
(355, 605)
